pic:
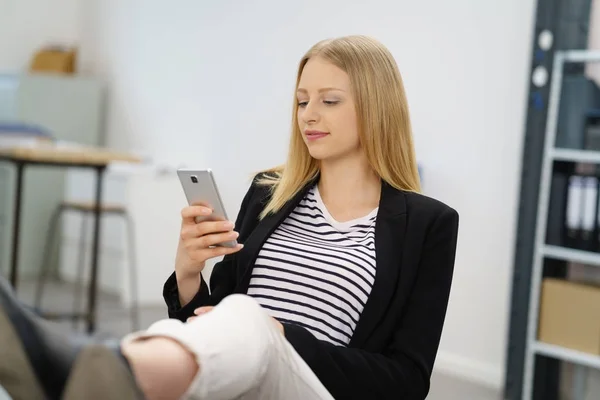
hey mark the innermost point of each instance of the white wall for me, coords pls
(210, 84)
(27, 25)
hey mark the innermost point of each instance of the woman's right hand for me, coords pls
(198, 240)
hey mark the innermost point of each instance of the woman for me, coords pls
(339, 290)
(339, 248)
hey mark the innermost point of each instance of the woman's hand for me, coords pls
(200, 311)
(203, 310)
(278, 325)
(198, 241)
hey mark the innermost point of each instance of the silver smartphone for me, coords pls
(200, 188)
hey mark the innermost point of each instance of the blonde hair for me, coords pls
(383, 121)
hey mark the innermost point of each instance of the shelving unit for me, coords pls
(542, 250)
(573, 255)
(579, 156)
(561, 353)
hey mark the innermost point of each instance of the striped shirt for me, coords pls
(316, 272)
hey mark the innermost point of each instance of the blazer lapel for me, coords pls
(263, 230)
(389, 237)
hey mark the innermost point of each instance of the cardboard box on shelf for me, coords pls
(54, 59)
(570, 315)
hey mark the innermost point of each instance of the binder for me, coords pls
(589, 212)
(573, 216)
(582, 219)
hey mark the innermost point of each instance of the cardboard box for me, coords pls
(54, 59)
(570, 315)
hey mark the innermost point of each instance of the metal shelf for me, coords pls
(573, 255)
(542, 250)
(582, 156)
(565, 354)
(581, 56)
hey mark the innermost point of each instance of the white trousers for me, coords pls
(241, 354)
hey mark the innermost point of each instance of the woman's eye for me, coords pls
(303, 104)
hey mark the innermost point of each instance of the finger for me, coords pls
(203, 310)
(216, 239)
(211, 240)
(208, 227)
(190, 319)
(278, 325)
(189, 214)
(194, 231)
(206, 254)
(201, 203)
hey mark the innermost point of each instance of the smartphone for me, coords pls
(200, 188)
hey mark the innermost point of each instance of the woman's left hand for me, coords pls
(200, 311)
(203, 310)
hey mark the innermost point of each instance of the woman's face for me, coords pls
(326, 113)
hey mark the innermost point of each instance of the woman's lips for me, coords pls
(315, 135)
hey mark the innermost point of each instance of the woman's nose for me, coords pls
(310, 114)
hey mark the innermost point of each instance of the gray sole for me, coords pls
(16, 373)
(99, 374)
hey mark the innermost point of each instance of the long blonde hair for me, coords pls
(383, 122)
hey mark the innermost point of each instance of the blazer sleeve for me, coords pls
(223, 278)
(403, 369)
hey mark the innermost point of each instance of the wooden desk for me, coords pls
(55, 156)
(48, 154)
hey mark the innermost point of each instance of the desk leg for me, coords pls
(91, 315)
(14, 263)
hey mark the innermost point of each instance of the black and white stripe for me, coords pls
(316, 272)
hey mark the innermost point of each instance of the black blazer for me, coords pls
(392, 351)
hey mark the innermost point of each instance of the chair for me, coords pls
(86, 209)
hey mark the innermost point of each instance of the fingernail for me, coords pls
(228, 224)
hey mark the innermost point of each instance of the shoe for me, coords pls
(17, 376)
(62, 366)
(99, 373)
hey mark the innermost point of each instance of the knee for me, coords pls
(253, 321)
(162, 367)
(245, 308)
(241, 302)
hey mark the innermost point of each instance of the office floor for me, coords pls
(113, 320)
